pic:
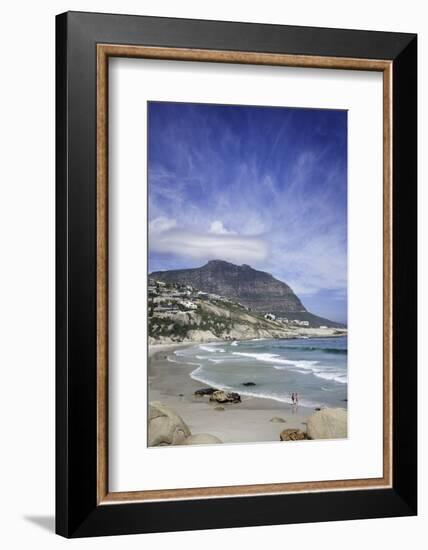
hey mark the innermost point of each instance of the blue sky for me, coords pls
(264, 186)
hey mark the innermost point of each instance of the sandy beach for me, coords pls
(248, 421)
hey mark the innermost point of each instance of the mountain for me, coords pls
(255, 289)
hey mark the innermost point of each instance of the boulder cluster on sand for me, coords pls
(205, 391)
(292, 434)
(324, 424)
(220, 396)
(328, 424)
(165, 427)
(225, 397)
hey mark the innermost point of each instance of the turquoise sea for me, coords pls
(315, 368)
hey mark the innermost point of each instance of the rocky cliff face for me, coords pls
(255, 289)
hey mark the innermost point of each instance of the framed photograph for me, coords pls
(236, 274)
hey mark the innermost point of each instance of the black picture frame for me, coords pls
(77, 511)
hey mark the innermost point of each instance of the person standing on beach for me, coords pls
(292, 398)
(296, 399)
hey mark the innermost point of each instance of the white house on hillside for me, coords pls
(188, 304)
(270, 317)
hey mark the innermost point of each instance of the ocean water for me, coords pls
(315, 368)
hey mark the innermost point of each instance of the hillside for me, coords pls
(181, 313)
(257, 290)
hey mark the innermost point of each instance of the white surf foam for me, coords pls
(171, 360)
(211, 349)
(297, 371)
(332, 376)
(313, 367)
(198, 375)
(298, 363)
(266, 357)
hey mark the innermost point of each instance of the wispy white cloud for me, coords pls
(161, 224)
(217, 244)
(217, 228)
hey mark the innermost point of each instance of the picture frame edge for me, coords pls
(76, 517)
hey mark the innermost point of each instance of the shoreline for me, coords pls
(245, 422)
(306, 333)
(154, 348)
